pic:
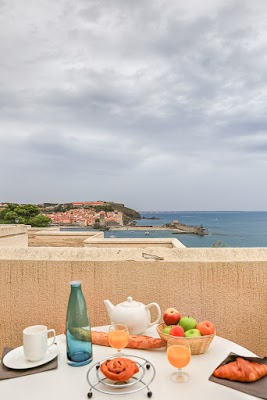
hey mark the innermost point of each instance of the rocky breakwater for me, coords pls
(182, 228)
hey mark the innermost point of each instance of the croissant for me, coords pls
(241, 370)
(119, 369)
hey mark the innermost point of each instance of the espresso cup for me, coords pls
(35, 341)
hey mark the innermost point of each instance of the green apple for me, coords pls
(192, 333)
(188, 323)
(167, 329)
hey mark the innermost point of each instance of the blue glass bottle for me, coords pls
(78, 329)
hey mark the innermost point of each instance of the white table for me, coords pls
(70, 383)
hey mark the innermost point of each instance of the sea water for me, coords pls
(230, 228)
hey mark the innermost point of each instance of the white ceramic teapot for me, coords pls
(132, 313)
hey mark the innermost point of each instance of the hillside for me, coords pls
(129, 215)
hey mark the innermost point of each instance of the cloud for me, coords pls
(123, 93)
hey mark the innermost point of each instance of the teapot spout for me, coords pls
(109, 307)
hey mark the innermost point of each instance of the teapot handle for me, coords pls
(159, 313)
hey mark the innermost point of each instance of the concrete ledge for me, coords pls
(57, 238)
(192, 255)
(13, 235)
(133, 243)
(69, 233)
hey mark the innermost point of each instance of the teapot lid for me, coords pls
(131, 303)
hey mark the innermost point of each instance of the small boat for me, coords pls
(112, 236)
(146, 233)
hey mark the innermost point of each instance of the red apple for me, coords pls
(171, 316)
(177, 331)
(206, 328)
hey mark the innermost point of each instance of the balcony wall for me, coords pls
(226, 286)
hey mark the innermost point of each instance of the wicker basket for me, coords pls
(198, 345)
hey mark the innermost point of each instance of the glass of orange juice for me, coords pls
(118, 337)
(179, 354)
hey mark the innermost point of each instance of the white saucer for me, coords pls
(15, 358)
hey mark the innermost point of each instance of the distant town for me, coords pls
(86, 214)
(92, 214)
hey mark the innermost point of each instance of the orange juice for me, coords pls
(178, 356)
(118, 339)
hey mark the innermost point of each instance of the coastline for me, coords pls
(140, 228)
(188, 229)
(182, 229)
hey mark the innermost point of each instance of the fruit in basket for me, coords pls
(167, 329)
(192, 333)
(177, 331)
(171, 316)
(206, 328)
(188, 323)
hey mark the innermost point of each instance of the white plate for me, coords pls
(15, 358)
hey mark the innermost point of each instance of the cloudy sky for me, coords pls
(158, 104)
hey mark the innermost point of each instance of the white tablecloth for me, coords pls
(70, 383)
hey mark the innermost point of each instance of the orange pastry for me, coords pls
(119, 369)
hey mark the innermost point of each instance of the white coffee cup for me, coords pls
(35, 341)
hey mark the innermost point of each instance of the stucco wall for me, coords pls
(226, 286)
